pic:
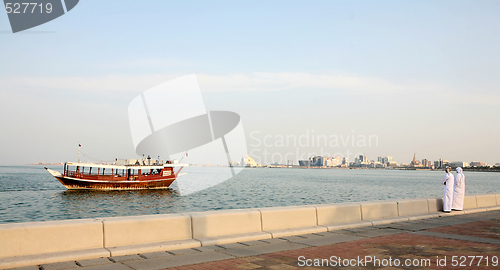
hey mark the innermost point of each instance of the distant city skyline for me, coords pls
(407, 77)
(389, 161)
(340, 161)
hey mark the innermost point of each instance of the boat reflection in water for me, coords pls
(96, 203)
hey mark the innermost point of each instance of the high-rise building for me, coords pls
(327, 162)
(338, 160)
(426, 163)
(305, 163)
(316, 161)
(385, 160)
(345, 161)
(477, 164)
(455, 164)
(392, 164)
(440, 163)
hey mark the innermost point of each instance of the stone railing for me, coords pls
(34, 243)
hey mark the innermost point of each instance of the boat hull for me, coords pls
(72, 183)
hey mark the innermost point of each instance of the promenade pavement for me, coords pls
(454, 241)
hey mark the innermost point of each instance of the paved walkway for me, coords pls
(469, 241)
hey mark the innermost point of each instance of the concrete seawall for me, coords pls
(32, 243)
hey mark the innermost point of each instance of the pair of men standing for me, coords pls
(454, 190)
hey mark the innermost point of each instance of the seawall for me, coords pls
(32, 243)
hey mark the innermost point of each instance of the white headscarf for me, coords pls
(460, 176)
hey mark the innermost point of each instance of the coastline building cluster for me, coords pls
(246, 161)
(319, 161)
(362, 161)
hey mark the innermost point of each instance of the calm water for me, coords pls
(29, 193)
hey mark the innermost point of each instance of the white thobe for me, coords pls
(459, 192)
(449, 182)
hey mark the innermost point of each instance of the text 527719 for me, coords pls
(28, 7)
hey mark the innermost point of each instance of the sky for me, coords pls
(414, 76)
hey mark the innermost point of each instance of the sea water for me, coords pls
(30, 193)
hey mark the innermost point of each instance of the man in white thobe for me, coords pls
(459, 190)
(448, 182)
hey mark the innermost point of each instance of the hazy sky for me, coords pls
(419, 76)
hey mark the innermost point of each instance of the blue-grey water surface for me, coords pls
(29, 193)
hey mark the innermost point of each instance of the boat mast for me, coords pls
(79, 146)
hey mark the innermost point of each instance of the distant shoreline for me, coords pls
(494, 169)
(43, 164)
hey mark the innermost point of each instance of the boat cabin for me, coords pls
(110, 172)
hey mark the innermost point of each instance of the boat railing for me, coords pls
(72, 174)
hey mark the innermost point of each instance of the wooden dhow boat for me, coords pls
(125, 175)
